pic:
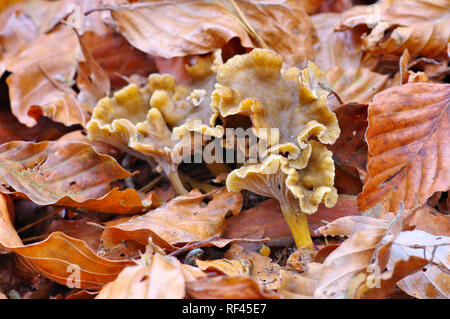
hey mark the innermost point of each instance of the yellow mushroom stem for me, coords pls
(298, 223)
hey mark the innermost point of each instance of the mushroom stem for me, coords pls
(298, 223)
(176, 182)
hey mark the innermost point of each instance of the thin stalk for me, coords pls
(57, 211)
(298, 223)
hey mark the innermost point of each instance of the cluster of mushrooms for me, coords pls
(252, 90)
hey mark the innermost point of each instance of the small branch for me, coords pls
(195, 245)
(57, 211)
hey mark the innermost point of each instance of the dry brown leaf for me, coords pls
(431, 221)
(223, 287)
(355, 84)
(8, 235)
(69, 261)
(100, 147)
(40, 83)
(11, 129)
(168, 30)
(224, 266)
(183, 219)
(407, 132)
(161, 278)
(432, 281)
(67, 174)
(335, 49)
(261, 268)
(422, 27)
(350, 149)
(117, 57)
(287, 20)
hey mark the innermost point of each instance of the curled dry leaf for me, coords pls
(431, 221)
(168, 29)
(69, 261)
(161, 278)
(355, 84)
(45, 129)
(407, 146)
(335, 49)
(422, 27)
(224, 287)
(40, 83)
(8, 235)
(432, 281)
(350, 148)
(67, 174)
(274, 19)
(261, 268)
(183, 219)
(117, 57)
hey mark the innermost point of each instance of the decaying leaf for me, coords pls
(272, 20)
(8, 235)
(335, 49)
(422, 27)
(183, 219)
(161, 278)
(407, 146)
(69, 261)
(223, 287)
(350, 148)
(167, 29)
(40, 83)
(261, 268)
(67, 174)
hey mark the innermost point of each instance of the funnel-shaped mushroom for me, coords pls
(299, 191)
(298, 170)
(140, 120)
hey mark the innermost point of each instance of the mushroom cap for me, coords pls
(274, 177)
(291, 100)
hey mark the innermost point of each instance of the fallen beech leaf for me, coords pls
(100, 147)
(181, 220)
(45, 129)
(223, 287)
(431, 221)
(168, 30)
(350, 148)
(92, 81)
(40, 83)
(8, 235)
(192, 273)
(407, 146)
(262, 269)
(274, 20)
(162, 278)
(422, 27)
(432, 281)
(67, 174)
(335, 49)
(355, 84)
(384, 285)
(60, 256)
(266, 219)
(227, 267)
(78, 229)
(117, 57)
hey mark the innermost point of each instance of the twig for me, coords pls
(195, 245)
(57, 211)
(150, 185)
